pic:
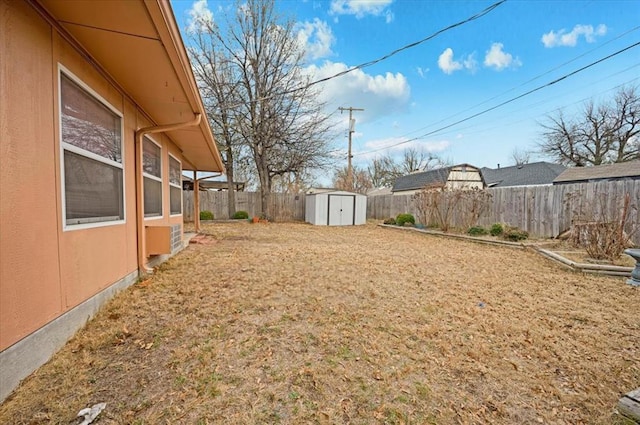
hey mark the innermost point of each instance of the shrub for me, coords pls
(206, 215)
(514, 234)
(240, 215)
(401, 219)
(496, 229)
(477, 231)
(390, 220)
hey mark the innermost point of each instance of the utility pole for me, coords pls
(352, 125)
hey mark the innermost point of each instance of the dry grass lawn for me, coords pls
(296, 324)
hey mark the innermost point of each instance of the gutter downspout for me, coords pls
(139, 135)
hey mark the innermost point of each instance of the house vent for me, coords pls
(176, 238)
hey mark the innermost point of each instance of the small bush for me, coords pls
(240, 215)
(514, 234)
(206, 215)
(390, 220)
(477, 231)
(401, 219)
(496, 229)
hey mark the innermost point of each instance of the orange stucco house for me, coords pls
(99, 116)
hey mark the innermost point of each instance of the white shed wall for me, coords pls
(317, 208)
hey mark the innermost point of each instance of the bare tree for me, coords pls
(361, 182)
(219, 86)
(603, 133)
(278, 116)
(520, 157)
(415, 159)
(384, 170)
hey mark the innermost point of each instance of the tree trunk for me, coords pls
(265, 192)
(231, 197)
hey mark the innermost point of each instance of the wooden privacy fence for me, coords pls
(284, 206)
(540, 210)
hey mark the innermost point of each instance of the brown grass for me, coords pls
(291, 323)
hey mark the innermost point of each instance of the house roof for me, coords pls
(187, 184)
(600, 172)
(138, 45)
(421, 179)
(522, 175)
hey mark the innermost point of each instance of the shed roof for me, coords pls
(330, 190)
(419, 180)
(536, 173)
(600, 172)
(138, 45)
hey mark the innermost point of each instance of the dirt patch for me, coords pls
(293, 323)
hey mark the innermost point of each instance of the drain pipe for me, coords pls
(142, 247)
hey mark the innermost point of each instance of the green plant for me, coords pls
(477, 231)
(496, 229)
(240, 215)
(514, 234)
(401, 219)
(390, 220)
(206, 215)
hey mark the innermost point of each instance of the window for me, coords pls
(152, 175)
(175, 185)
(91, 143)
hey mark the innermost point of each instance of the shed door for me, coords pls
(341, 210)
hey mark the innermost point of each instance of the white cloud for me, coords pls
(362, 8)
(448, 65)
(422, 72)
(446, 62)
(199, 16)
(498, 59)
(570, 39)
(470, 63)
(379, 95)
(316, 38)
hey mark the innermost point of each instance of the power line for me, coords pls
(557, 80)
(408, 46)
(528, 81)
(380, 59)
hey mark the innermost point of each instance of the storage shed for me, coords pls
(329, 207)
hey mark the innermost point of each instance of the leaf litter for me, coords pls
(292, 323)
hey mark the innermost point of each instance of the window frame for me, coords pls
(64, 146)
(171, 184)
(156, 178)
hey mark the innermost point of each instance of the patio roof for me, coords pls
(138, 44)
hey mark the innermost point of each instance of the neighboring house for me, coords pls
(100, 115)
(462, 176)
(629, 170)
(537, 173)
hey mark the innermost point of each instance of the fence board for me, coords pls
(284, 206)
(540, 210)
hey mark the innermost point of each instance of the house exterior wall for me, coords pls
(48, 268)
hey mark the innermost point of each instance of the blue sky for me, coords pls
(517, 47)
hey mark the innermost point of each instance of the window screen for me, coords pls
(91, 136)
(175, 185)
